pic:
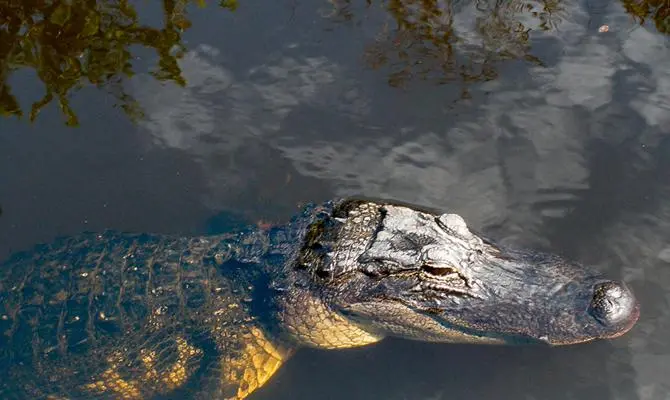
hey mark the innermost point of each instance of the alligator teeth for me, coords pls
(340, 220)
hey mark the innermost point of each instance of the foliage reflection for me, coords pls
(70, 44)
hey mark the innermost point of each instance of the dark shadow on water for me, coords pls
(401, 370)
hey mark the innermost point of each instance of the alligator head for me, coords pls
(393, 270)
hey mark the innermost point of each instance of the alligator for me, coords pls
(145, 316)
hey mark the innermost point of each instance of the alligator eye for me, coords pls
(612, 303)
(437, 271)
(323, 274)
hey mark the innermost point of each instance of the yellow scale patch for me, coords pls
(246, 370)
(258, 360)
(110, 381)
(316, 325)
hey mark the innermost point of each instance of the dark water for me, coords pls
(535, 126)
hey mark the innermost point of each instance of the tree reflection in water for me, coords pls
(70, 44)
(419, 38)
(73, 43)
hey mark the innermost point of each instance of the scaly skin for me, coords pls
(129, 317)
(135, 317)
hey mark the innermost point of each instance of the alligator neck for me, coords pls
(302, 309)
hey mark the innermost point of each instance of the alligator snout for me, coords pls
(613, 304)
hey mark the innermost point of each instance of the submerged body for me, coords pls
(119, 316)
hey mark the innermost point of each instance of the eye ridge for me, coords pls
(413, 242)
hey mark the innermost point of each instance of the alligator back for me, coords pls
(130, 317)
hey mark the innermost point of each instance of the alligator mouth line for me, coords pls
(490, 336)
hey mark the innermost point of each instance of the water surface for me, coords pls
(528, 119)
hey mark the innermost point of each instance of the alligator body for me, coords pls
(123, 316)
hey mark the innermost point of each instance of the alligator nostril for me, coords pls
(612, 303)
